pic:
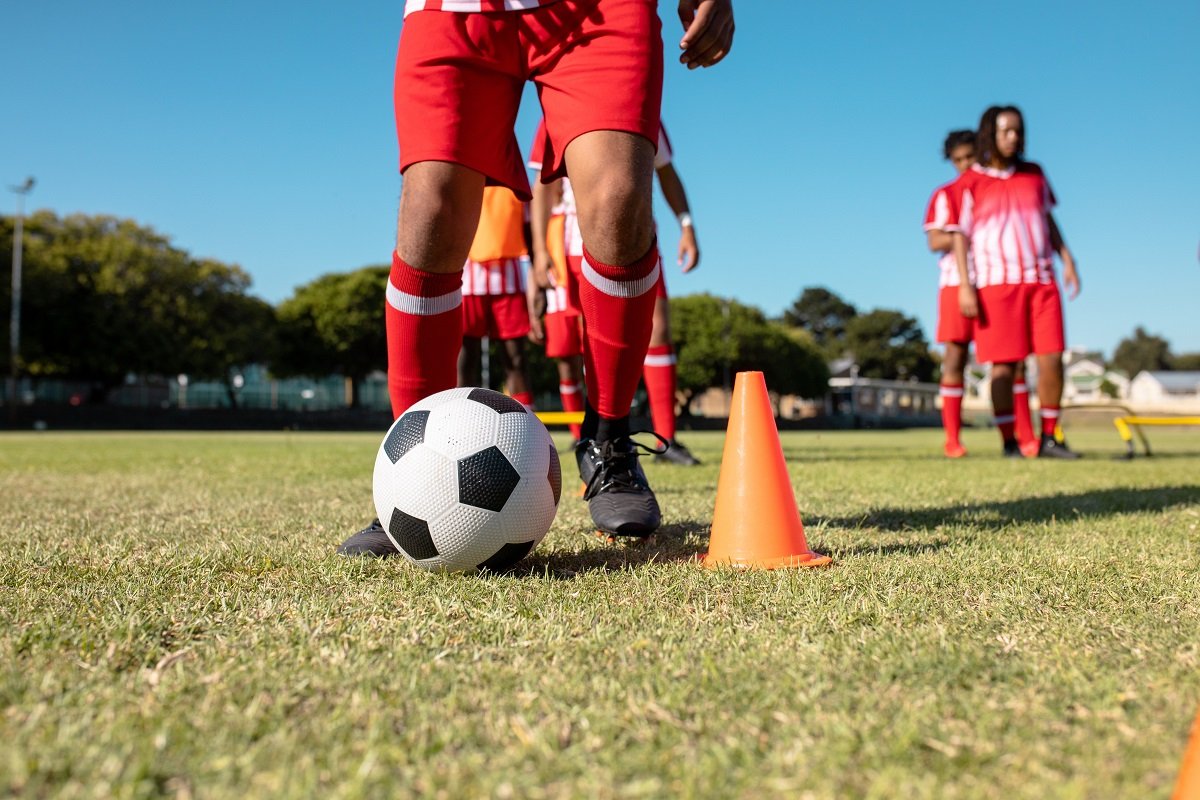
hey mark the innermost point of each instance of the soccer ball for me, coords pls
(467, 479)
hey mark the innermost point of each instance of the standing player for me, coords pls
(1000, 210)
(953, 329)
(460, 71)
(493, 287)
(554, 316)
(659, 370)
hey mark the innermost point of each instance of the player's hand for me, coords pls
(535, 299)
(708, 31)
(689, 250)
(542, 274)
(968, 301)
(1071, 277)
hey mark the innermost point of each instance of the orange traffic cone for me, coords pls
(1188, 787)
(756, 524)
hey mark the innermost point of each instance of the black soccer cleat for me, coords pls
(1052, 448)
(677, 453)
(1012, 449)
(619, 497)
(372, 542)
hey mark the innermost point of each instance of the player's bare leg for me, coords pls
(953, 375)
(612, 174)
(470, 362)
(439, 212)
(1050, 388)
(1002, 406)
(516, 371)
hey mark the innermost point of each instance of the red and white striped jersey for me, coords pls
(571, 234)
(473, 6)
(937, 217)
(500, 277)
(1005, 215)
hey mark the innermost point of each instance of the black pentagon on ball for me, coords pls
(555, 474)
(506, 556)
(500, 403)
(412, 535)
(486, 479)
(406, 434)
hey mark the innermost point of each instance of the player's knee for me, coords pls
(621, 219)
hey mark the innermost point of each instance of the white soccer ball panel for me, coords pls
(525, 442)
(422, 484)
(466, 536)
(460, 427)
(530, 511)
(437, 398)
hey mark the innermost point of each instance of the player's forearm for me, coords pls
(539, 214)
(960, 246)
(673, 192)
(1057, 242)
(940, 241)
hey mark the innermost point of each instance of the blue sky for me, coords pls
(261, 133)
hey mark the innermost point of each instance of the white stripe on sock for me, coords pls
(627, 289)
(407, 303)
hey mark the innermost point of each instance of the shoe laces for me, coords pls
(618, 470)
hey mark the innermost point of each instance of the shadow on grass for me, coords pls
(681, 542)
(1001, 514)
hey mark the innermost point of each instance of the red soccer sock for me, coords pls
(618, 311)
(658, 371)
(572, 400)
(952, 398)
(1024, 422)
(1005, 423)
(1049, 420)
(524, 398)
(424, 333)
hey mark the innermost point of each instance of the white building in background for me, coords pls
(1084, 381)
(1084, 378)
(1172, 392)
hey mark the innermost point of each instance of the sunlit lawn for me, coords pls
(173, 622)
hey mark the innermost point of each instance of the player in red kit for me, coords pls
(493, 287)
(1000, 211)
(461, 67)
(955, 331)
(659, 368)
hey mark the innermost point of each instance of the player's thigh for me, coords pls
(510, 317)
(475, 316)
(458, 84)
(604, 74)
(1002, 332)
(1047, 331)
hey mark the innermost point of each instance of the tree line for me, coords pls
(105, 297)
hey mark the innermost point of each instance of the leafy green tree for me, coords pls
(715, 337)
(887, 344)
(824, 315)
(334, 324)
(1142, 351)
(1186, 362)
(104, 297)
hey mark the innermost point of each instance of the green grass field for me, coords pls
(173, 623)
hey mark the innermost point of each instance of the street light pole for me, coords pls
(14, 330)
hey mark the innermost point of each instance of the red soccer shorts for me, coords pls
(564, 334)
(1018, 319)
(459, 77)
(952, 326)
(497, 316)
